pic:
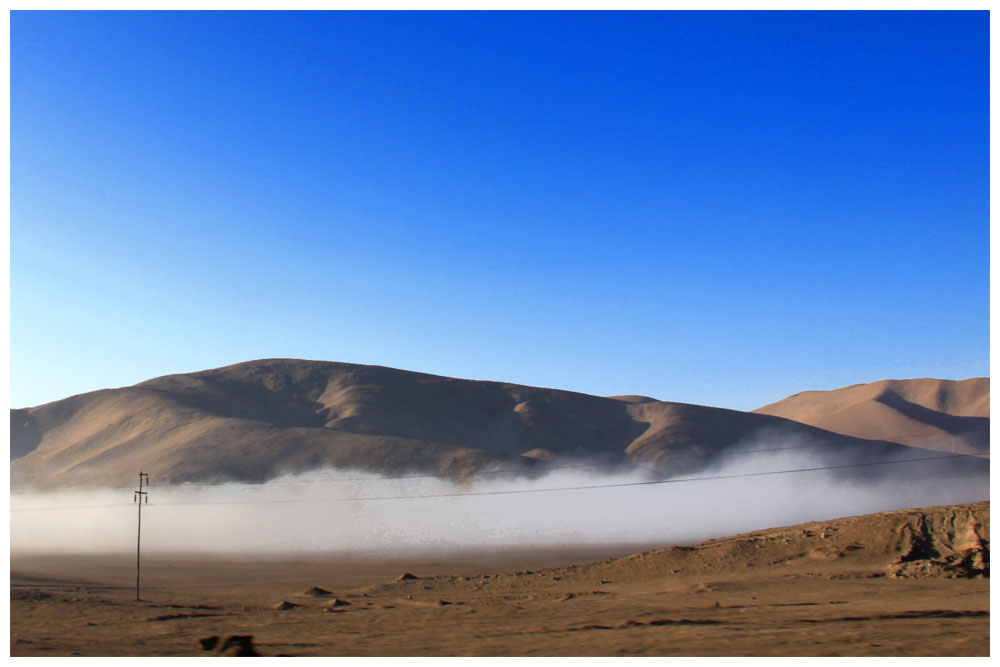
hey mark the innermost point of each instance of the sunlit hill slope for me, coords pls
(257, 420)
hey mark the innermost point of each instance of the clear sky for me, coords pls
(719, 208)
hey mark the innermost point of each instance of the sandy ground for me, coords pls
(795, 591)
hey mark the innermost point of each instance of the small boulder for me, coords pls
(238, 646)
(287, 605)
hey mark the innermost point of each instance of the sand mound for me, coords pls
(941, 415)
(208, 643)
(238, 646)
(338, 603)
(287, 605)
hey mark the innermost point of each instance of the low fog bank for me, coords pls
(328, 510)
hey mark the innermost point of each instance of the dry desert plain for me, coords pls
(910, 582)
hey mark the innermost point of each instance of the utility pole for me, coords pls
(140, 497)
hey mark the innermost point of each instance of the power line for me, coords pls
(75, 489)
(633, 464)
(68, 507)
(578, 488)
(521, 491)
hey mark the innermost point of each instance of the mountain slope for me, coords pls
(942, 415)
(261, 419)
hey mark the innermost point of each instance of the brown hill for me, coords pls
(942, 415)
(951, 541)
(257, 420)
(947, 541)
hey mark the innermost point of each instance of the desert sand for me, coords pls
(909, 582)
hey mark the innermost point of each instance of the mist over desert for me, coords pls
(515, 333)
(494, 535)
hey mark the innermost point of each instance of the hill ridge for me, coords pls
(256, 420)
(941, 415)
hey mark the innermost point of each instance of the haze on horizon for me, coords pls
(283, 515)
(717, 208)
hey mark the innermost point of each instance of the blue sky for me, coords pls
(720, 208)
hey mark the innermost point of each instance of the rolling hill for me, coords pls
(258, 420)
(942, 415)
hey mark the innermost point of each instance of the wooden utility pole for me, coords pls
(140, 497)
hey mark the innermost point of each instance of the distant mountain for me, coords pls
(257, 420)
(942, 415)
